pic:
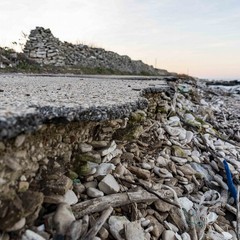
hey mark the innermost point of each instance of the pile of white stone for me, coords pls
(46, 49)
(42, 47)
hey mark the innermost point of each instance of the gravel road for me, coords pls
(28, 101)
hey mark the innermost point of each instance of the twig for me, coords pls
(224, 139)
(113, 200)
(213, 202)
(99, 223)
(217, 136)
(149, 128)
(230, 135)
(215, 154)
(150, 191)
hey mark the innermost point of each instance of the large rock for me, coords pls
(63, 218)
(134, 231)
(20, 210)
(109, 185)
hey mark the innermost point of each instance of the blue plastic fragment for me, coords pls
(230, 183)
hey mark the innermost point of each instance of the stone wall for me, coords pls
(46, 49)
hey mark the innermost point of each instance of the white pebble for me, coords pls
(93, 171)
(149, 229)
(30, 235)
(145, 223)
(41, 228)
(94, 193)
(19, 140)
(189, 117)
(189, 136)
(146, 166)
(227, 236)
(185, 236)
(168, 235)
(18, 225)
(211, 217)
(104, 168)
(70, 197)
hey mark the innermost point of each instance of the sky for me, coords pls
(196, 37)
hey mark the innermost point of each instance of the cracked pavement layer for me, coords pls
(26, 102)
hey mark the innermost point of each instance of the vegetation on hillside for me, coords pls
(14, 62)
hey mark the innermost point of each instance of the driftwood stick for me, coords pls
(103, 232)
(113, 200)
(99, 223)
(225, 140)
(215, 154)
(85, 224)
(214, 135)
(151, 191)
(149, 128)
(178, 212)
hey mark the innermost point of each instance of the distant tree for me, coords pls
(19, 46)
(23, 40)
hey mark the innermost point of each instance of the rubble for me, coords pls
(167, 182)
(46, 49)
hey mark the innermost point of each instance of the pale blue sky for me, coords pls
(199, 37)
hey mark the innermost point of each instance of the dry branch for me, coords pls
(98, 224)
(150, 191)
(113, 200)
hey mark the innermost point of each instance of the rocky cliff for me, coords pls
(46, 49)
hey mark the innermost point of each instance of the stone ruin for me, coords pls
(46, 49)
